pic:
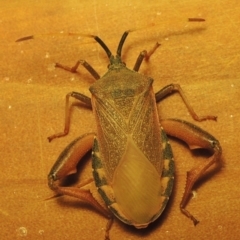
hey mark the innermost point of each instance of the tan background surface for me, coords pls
(32, 93)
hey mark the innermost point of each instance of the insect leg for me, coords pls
(196, 138)
(146, 55)
(79, 97)
(74, 68)
(66, 165)
(169, 89)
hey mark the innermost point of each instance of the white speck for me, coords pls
(232, 85)
(159, 13)
(194, 193)
(167, 232)
(187, 47)
(166, 39)
(61, 31)
(9, 107)
(72, 79)
(22, 232)
(55, 75)
(6, 79)
(29, 80)
(41, 232)
(220, 227)
(47, 55)
(231, 116)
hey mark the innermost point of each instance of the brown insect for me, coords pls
(132, 160)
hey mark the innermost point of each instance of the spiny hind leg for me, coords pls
(196, 138)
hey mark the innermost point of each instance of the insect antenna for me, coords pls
(125, 34)
(99, 40)
(122, 40)
(96, 38)
(25, 38)
(120, 45)
(103, 45)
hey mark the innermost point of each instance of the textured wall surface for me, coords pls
(202, 57)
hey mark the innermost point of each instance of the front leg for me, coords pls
(196, 138)
(73, 69)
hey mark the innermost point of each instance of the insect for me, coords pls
(132, 160)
